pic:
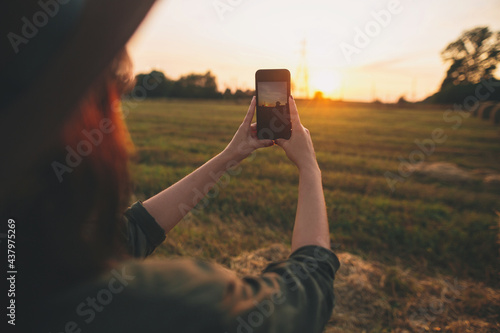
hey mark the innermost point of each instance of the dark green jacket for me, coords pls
(189, 295)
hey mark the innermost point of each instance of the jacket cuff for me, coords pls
(319, 253)
(142, 218)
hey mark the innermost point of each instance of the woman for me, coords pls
(75, 237)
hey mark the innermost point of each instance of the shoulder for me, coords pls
(160, 294)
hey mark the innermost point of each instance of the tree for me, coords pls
(155, 84)
(240, 94)
(227, 94)
(474, 57)
(196, 86)
(402, 100)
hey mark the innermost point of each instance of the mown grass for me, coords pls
(425, 222)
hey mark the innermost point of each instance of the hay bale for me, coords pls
(478, 112)
(484, 113)
(444, 171)
(492, 180)
(369, 296)
(483, 172)
(495, 114)
(359, 300)
(254, 262)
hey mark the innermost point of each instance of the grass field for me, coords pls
(428, 224)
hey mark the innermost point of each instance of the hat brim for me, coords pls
(34, 120)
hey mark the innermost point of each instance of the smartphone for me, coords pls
(272, 87)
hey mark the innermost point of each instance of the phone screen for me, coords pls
(273, 115)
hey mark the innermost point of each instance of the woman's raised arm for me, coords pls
(311, 222)
(172, 204)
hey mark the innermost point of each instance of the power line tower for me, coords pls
(302, 85)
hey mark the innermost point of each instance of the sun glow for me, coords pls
(328, 82)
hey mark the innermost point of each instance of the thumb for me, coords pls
(294, 113)
(266, 143)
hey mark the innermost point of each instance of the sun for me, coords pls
(328, 82)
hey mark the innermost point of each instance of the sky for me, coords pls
(357, 50)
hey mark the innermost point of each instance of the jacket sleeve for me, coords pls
(141, 231)
(295, 295)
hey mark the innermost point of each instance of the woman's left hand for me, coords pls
(245, 139)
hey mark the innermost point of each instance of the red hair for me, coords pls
(73, 213)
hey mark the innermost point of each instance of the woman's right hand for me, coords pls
(299, 148)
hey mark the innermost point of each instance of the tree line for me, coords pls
(203, 86)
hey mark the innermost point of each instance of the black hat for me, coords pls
(50, 54)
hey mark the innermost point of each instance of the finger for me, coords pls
(250, 112)
(280, 142)
(294, 113)
(265, 143)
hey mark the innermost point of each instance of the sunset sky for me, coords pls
(235, 38)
